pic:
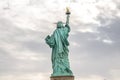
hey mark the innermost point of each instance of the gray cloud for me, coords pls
(23, 50)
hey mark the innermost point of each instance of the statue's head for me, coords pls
(59, 24)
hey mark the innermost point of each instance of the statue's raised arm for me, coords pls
(67, 19)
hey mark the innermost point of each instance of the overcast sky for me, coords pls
(94, 38)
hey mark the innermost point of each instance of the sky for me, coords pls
(94, 38)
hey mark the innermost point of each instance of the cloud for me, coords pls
(92, 77)
(94, 38)
(36, 76)
(115, 74)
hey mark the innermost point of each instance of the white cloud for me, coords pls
(92, 77)
(23, 76)
(115, 74)
(27, 22)
(107, 41)
(75, 44)
(86, 30)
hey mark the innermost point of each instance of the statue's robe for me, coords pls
(59, 44)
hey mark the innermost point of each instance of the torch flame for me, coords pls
(67, 10)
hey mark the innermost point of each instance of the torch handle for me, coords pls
(67, 19)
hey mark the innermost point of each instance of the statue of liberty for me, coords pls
(59, 44)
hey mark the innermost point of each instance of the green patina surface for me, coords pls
(59, 44)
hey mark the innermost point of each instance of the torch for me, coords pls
(68, 15)
(67, 11)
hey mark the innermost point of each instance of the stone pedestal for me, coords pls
(62, 78)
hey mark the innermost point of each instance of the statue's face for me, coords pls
(59, 24)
